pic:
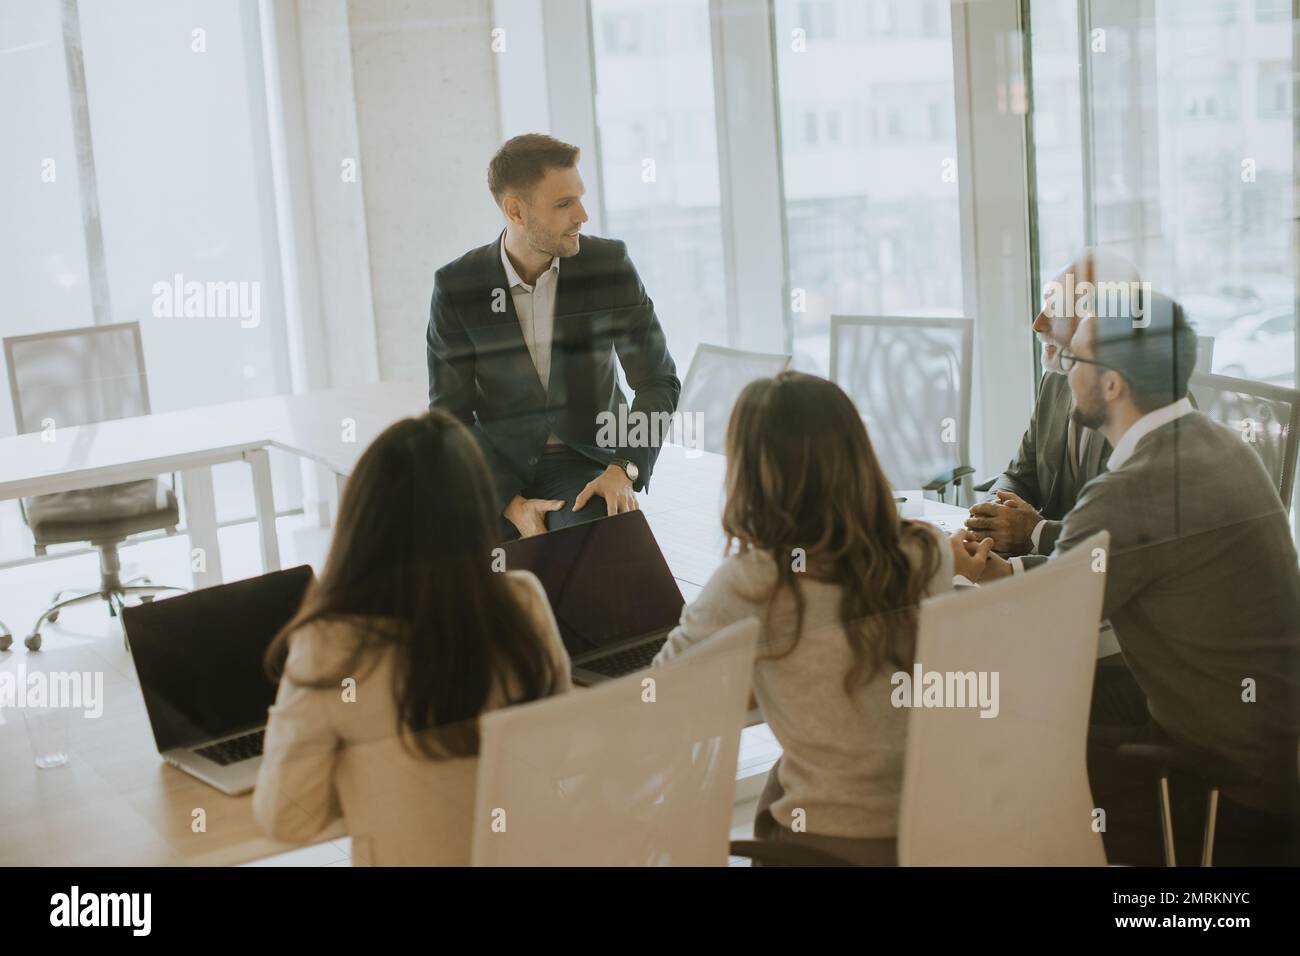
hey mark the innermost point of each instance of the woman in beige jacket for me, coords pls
(407, 638)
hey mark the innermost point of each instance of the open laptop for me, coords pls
(610, 588)
(199, 660)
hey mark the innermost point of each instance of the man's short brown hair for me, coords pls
(522, 161)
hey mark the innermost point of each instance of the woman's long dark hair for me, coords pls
(410, 566)
(801, 474)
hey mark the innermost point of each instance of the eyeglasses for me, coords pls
(1068, 359)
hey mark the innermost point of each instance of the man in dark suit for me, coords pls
(1057, 457)
(521, 343)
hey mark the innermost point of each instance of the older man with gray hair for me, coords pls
(1057, 457)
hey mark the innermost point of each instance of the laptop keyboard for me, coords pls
(235, 749)
(625, 661)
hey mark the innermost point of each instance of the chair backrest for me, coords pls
(713, 383)
(910, 380)
(1266, 416)
(1205, 353)
(627, 773)
(1010, 789)
(77, 376)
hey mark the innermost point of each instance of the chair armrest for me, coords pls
(984, 486)
(771, 853)
(951, 477)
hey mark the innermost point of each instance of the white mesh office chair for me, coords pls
(1010, 790)
(78, 377)
(713, 383)
(910, 380)
(607, 777)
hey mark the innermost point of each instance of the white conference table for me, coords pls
(116, 802)
(331, 427)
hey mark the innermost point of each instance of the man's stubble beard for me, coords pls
(1092, 415)
(549, 244)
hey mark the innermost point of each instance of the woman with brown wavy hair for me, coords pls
(409, 635)
(818, 553)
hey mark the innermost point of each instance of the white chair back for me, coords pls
(713, 383)
(1010, 789)
(639, 771)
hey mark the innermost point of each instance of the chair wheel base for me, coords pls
(33, 642)
(52, 617)
(6, 641)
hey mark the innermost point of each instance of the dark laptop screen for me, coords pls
(607, 580)
(199, 655)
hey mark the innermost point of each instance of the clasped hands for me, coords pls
(1005, 526)
(528, 515)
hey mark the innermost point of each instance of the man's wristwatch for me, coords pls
(629, 468)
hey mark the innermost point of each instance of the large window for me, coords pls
(182, 184)
(869, 154)
(659, 159)
(1180, 115)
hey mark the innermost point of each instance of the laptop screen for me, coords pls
(607, 580)
(199, 655)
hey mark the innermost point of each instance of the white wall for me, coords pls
(427, 121)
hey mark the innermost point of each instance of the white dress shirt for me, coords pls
(535, 306)
(1144, 426)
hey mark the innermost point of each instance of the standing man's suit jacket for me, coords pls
(480, 369)
(1041, 473)
(1203, 589)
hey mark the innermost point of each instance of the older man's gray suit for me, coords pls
(1043, 472)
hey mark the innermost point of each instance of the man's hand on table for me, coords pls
(1009, 522)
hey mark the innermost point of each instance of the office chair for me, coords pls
(1265, 416)
(610, 777)
(78, 377)
(910, 380)
(715, 380)
(1210, 773)
(1012, 790)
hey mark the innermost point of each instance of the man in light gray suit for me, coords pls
(1202, 586)
(1056, 457)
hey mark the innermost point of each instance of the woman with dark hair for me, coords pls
(409, 635)
(823, 560)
